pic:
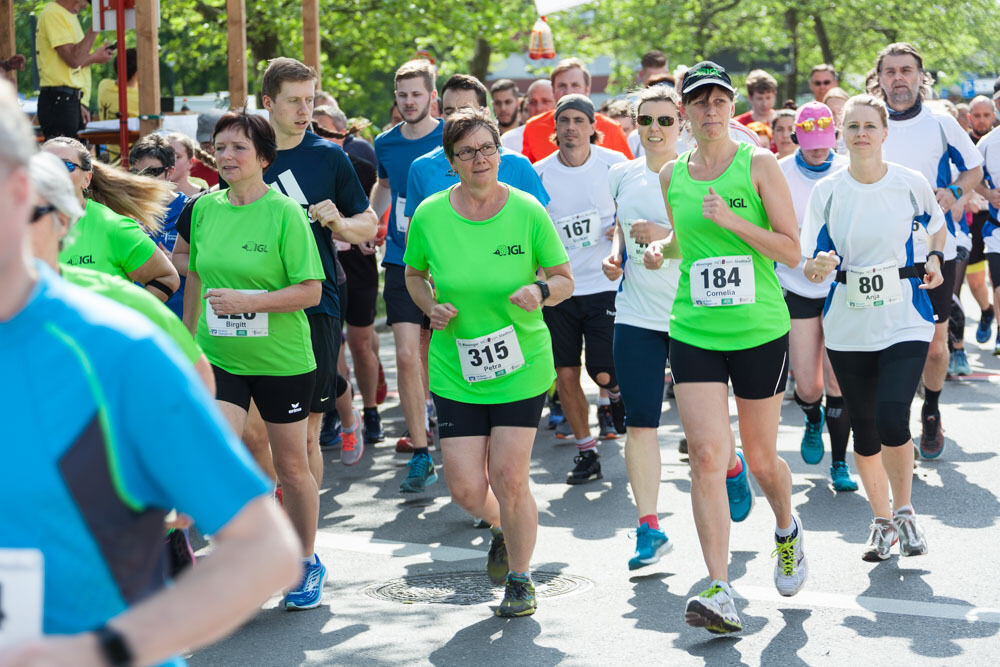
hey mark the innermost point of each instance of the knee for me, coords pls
(707, 457)
(762, 464)
(508, 483)
(468, 495)
(893, 423)
(602, 376)
(292, 470)
(938, 350)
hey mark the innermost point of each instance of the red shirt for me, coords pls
(539, 129)
(201, 170)
(745, 118)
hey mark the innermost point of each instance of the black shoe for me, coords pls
(618, 415)
(371, 427)
(496, 561)
(329, 434)
(587, 467)
(682, 447)
(668, 390)
(606, 423)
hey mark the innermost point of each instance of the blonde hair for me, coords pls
(871, 101)
(193, 150)
(141, 198)
(836, 93)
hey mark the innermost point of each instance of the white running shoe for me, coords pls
(791, 568)
(714, 610)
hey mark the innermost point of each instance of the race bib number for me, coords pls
(635, 250)
(723, 281)
(873, 286)
(402, 222)
(580, 230)
(490, 356)
(21, 586)
(238, 324)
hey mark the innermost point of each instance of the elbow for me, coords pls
(314, 293)
(171, 279)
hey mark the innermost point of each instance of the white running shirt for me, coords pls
(989, 147)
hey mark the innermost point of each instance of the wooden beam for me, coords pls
(310, 37)
(236, 26)
(148, 47)
(7, 40)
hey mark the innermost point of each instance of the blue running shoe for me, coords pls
(812, 439)
(421, 474)
(651, 543)
(841, 476)
(962, 363)
(309, 593)
(739, 492)
(985, 327)
(556, 415)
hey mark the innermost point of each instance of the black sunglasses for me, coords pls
(149, 171)
(41, 211)
(663, 121)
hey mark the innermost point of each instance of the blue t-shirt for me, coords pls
(432, 173)
(168, 237)
(315, 170)
(395, 155)
(90, 489)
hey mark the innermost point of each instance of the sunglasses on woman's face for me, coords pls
(152, 172)
(662, 121)
(40, 212)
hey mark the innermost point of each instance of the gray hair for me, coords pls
(334, 113)
(51, 181)
(17, 141)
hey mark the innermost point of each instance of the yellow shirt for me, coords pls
(58, 26)
(107, 100)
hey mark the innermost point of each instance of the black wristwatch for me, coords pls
(938, 254)
(114, 648)
(544, 286)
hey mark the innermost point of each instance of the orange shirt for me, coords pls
(539, 129)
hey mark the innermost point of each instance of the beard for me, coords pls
(419, 115)
(900, 99)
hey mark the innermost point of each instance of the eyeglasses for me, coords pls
(41, 211)
(73, 166)
(469, 153)
(662, 121)
(810, 124)
(827, 82)
(149, 171)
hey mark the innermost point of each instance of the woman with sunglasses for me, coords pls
(108, 237)
(490, 359)
(642, 306)
(878, 321)
(733, 218)
(816, 135)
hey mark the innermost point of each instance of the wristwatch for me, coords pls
(957, 191)
(544, 287)
(113, 646)
(938, 254)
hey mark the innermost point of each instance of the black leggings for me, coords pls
(878, 388)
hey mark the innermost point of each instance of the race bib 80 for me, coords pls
(723, 281)
(873, 286)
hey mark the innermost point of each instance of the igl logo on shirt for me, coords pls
(503, 250)
(252, 246)
(80, 260)
(737, 202)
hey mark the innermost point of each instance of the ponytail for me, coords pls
(141, 198)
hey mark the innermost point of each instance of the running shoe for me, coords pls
(985, 327)
(911, 538)
(329, 435)
(841, 476)
(180, 554)
(587, 468)
(564, 431)
(496, 561)
(791, 569)
(606, 423)
(668, 387)
(405, 444)
(996, 348)
(682, 446)
(556, 416)
(812, 439)
(790, 388)
(421, 474)
(309, 593)
(352, 447)
(618, 415)
(518, 598)
(932, 437)
(381, 389)
(479, 523)
(962, 363)
(950, 373)
(739, 492)
(880, 540)
(650, 544)
(371, 427)
(714, 610)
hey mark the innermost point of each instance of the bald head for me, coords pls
(981, 115)
(540, 97)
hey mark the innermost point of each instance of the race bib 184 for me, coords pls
(490, 356)
(723, 281)
(21, 595)
(580, 230)
(873, 286)
(237, 324)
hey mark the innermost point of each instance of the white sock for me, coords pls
(603, 400)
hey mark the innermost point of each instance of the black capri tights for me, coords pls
(878, 388)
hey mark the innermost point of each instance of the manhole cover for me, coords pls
(465, 588)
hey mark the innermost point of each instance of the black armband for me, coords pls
(160, 286)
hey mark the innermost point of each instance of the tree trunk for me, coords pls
(823, 39)
(792, 25)
(479, 66)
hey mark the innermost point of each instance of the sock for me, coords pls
(813, 413)
(496, 530)
(904, 508)
(838, 423)
(614, 395)
(352, 429)
(423, 451)
(986, 313)
(736, 470)
(371, 411)
(311, 560)
(586, 444)
(784, 533)
(724, 585)
(522, 576)
(603, 400)
(930, 402)
(650, 520)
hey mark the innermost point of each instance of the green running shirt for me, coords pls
(723, 327)
(105, 241)
(476, 266)
(264, 245)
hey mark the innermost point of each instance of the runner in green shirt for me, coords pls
(733, 218)
(490, 360)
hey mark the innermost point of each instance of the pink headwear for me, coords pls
(808, 130)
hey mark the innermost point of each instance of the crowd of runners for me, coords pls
(661, 244)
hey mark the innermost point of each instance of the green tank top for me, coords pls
(728, 297)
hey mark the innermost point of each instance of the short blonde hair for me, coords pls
(420, 68)
(871, 101)
(565, 65)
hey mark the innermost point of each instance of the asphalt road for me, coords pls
(941, 608)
